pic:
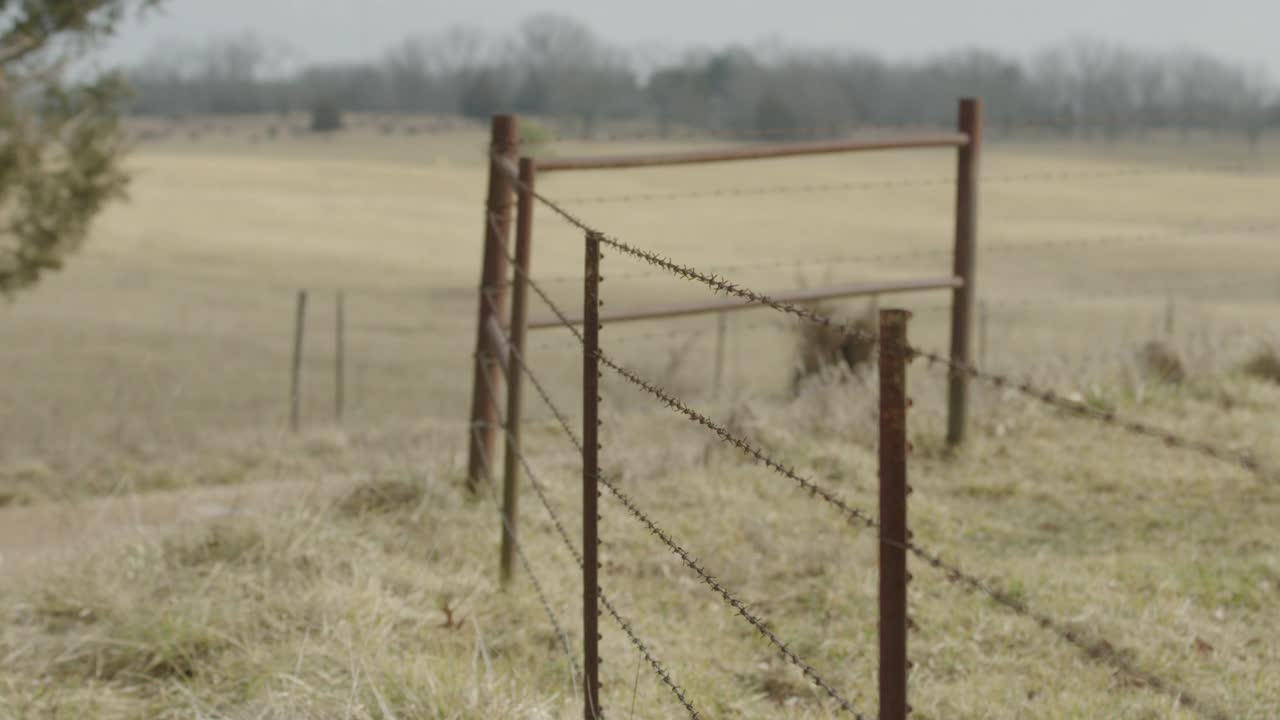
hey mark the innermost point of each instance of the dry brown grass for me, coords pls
(382, 603)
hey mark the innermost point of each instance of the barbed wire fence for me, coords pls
(894, 539)
(1091, 644)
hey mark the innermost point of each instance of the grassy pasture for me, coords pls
(158, 360)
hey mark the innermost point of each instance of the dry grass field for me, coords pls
(146, 387)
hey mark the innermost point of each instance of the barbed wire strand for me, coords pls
(719, 284)
(659, 669)
(544, 500)
(738, 605)
(1097, 649)
(1241, 459)
(1093, 648)
(528, 568)
(685, 556)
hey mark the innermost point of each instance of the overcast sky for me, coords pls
(326, 30)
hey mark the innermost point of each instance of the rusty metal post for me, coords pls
(515, 348)
(295, 384)
(722, 332)
(497, 223)
(339, 357)
(591, 479)
(965, 266)
(894, 622)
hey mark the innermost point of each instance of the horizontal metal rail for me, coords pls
(754, 152)
(946, 282)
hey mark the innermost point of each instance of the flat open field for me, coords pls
(159, 361)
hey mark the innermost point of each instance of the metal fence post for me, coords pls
(515, 378)
(591, 478)
(339, 357)
(965, 265)
(295, 385)
(497, 223)
(894, 622)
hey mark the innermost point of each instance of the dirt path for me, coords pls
(34, 535)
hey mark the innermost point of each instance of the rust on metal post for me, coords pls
(965, 268)
(894, 537)
(755, 152)
(295, 376)
(339, 357)
(591, 478)
(515, 378)
(497, 222)
(731, 304)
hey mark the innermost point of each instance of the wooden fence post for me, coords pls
(515, 354)
(497, 223)
(339, 357)
(965, 266)
(894, 622)
(591, 480)
(295, 384)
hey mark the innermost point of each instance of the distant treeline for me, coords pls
(555, 68)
